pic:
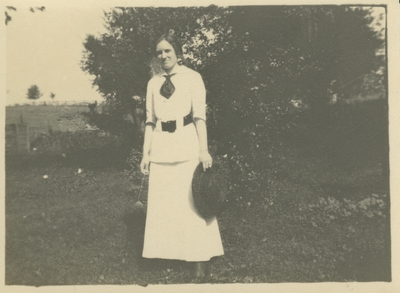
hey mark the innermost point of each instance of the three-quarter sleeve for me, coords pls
(198, 97)
(150, 114)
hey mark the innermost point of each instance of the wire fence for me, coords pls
(56, 103)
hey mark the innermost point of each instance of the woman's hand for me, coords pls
(206, 160)
(148, 136)
(145, 165)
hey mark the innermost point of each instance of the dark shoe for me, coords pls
(200, 270)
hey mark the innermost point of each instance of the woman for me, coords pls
(175, 142)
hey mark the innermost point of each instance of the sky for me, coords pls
(45, 49)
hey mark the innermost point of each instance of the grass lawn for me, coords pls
(80, 229)
(324, 216)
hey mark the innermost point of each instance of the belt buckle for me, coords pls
(169, 126)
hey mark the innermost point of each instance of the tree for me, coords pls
(120, 59)
(282, 53)
(254, 61)
(327, 42)
(31, 9)
(52, 95)
(298, 51)
(33, 93)
(343, 47)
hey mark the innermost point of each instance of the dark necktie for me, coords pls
(167, 88)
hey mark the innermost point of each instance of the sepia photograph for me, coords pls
(263, 126)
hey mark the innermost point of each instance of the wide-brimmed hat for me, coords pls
(210, 188)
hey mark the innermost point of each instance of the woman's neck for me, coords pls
(168, 71)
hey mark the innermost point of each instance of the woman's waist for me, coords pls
(174, 124)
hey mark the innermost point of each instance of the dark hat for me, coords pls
(210, 188)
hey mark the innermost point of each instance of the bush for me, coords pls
(374, 205)
(133, 160)
(251, 114)
(124, 126)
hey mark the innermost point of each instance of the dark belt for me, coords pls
(170, 125)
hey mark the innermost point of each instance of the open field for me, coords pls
(40, 118)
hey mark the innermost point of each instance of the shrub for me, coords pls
(119, 125)
(374, 205)
(133, 160)
(249, 121)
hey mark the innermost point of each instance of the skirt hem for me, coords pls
(183, 259)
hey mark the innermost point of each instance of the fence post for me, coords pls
(17, 138)
(11, 138)
(23, 143)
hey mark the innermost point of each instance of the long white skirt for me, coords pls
(174, 229)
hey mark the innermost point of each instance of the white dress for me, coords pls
(174, 229)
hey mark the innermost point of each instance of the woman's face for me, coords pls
(166, 53)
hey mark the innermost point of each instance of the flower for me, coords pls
(79, 171)
(45, 176)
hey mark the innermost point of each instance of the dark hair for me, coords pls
(173, 40)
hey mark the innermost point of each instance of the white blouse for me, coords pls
(189, 97)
